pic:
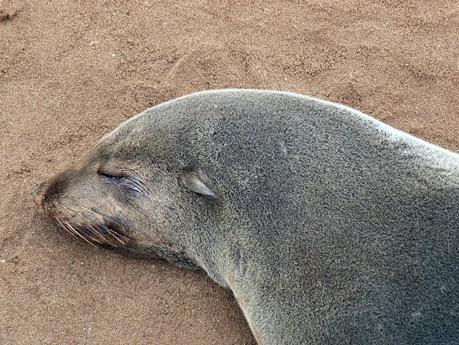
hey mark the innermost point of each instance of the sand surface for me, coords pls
(70, 71)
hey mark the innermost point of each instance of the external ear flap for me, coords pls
(194, 182)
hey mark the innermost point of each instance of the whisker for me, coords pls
(64, 227)
(80, 235)
(97, 233)
(117, 236)
(113, 234)
(70, 229)
(113, 220)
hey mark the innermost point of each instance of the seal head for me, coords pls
(120, 198)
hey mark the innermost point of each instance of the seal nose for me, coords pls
(49, 190)
(37, 193)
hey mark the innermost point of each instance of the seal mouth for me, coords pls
(108, 232)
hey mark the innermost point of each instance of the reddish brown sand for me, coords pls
(72, 70)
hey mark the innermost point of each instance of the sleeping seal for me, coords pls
(328, 226)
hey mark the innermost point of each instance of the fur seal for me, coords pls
(328, 226)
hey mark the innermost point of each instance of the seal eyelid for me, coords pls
(111, 175)
(130, 183)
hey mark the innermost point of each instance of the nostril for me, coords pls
(37, 193)
(49, 190)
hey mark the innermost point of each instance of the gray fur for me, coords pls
(328, 226)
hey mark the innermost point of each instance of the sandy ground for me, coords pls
(72, 70)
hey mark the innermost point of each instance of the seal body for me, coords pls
(328, 226)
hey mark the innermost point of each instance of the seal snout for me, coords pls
(37, 193)
(48, 190)
(57, 185)
(78, 214)
(93, 228)
(106, 233)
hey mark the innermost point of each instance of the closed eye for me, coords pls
(129, 183)
(112, 177)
